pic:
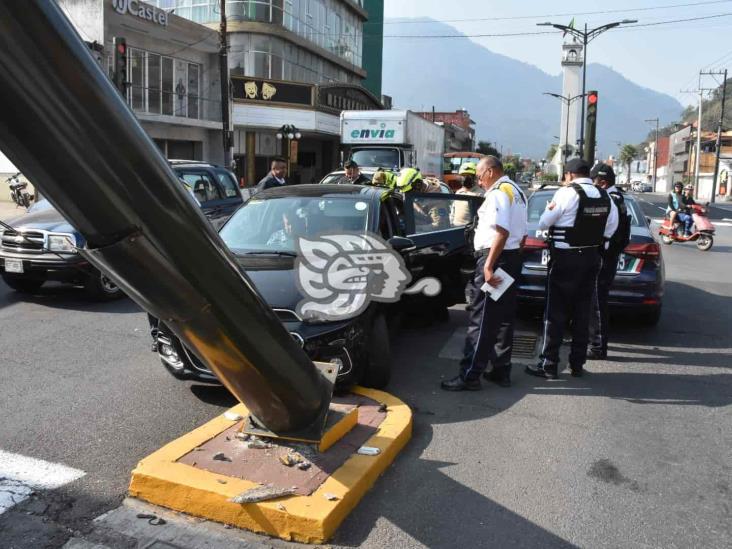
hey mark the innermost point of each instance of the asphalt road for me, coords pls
(636, 454)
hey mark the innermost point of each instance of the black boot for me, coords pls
(594, 354)
(459, 384)
(499, 376)
(539, 371)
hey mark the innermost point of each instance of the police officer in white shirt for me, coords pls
(581, 218)
(499, 237)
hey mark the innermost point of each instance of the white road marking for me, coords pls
(20, 476)
(715, 223)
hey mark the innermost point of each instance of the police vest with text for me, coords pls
(589, 222)
(621, 237)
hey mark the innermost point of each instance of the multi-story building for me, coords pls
(661, 163)
(294, 63)
(173, 82)
(459, 129)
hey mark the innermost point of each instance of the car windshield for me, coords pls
(272, 225)
(376, 158)
(539, 200)
(452, 164)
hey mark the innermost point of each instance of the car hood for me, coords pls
(44, 218)
(274, 278)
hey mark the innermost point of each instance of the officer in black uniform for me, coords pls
(604, 178)
(580, 219)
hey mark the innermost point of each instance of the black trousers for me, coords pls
(599, 317)
(490, 323)
(570, 287)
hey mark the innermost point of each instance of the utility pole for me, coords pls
(567, 101)
(719, 137)
(697, 156)
(655, 153)
(224, 69)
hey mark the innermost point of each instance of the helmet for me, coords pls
(383, 178)
(689, 187)
(407, 178)
(467, 168)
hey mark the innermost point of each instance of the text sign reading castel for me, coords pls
(372, 131)
(143, 11)
(269, 91)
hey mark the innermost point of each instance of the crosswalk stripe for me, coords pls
(21, 475)
(660, 221)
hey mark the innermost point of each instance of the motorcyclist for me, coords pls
(675, 203)
(684, 213)
(461, 214)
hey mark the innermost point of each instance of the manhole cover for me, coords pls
(524, 345)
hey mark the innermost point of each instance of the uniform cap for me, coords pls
(577, 165)
(603, 171)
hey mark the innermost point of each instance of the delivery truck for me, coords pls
(392, 140)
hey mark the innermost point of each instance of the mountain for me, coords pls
(504, 95)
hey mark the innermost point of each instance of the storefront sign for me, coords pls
(141, 10)
(268, 91)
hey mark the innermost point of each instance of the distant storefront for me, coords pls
(172, 71)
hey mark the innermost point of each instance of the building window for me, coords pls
(136, 76)
(193, 90)
(153, 78)
(167, 85)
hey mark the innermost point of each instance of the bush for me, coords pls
(548, 177)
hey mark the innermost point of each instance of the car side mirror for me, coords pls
(648, 220)
(401, 244)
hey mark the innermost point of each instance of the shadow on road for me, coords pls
(60, 296)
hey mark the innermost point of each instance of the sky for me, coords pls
(664, 57)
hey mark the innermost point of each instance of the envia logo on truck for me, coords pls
(375, 133)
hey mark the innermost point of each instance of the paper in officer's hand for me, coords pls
(497, 291)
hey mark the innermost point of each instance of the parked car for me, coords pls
(358, 345)
(42, 245)
(214, 187)
(639, 284)
(334, 177)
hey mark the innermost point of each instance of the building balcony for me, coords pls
(155, 105)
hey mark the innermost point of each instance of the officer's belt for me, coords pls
(486, 251)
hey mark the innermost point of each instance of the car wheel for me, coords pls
(650, 318)
(705, 242)
(101, 288)
(25, 284)
(378, 355)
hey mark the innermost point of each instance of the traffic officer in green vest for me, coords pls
(410, 179)
(499, 236)
(580, 219)
(604, 178)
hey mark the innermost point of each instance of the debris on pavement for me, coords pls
(232, 416)
(330, 497)
(220, 456)
(263, 493)
(368, 451)
(153, 519)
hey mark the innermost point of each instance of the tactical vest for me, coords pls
(589, 222)
(620, 239)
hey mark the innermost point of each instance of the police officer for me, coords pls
(461, 214)
(604, 178)
(499, 236)
(580, 218)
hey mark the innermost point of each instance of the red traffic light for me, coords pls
(122, 48)
(592, 98)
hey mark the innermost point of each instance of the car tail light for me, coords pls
(535, 243)
(648, 250)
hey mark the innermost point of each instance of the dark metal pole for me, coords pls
(566, 136)
(719, 138)
(655, 159)
(581, 148)
(224, 69)
(65, 125)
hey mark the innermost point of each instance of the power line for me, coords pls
(517, 17)
(638, 25)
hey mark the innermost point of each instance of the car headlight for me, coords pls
(65, 243)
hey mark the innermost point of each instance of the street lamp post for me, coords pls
(291, 133)
(586, 36)
(655, 153)
(568, 101)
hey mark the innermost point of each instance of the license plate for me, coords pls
(13, 266)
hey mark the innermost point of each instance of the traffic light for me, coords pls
(590, 127)
(119, 65)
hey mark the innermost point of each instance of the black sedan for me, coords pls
(262, 235)
(639, 284)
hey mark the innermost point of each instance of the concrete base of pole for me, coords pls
(205, 472)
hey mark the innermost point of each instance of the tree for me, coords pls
(627, 155)
(485, 147)
(551, 152)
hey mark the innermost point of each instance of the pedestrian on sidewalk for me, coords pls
(580, 218)
(604, 178)
(499, 236)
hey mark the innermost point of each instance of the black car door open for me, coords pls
(436, 223)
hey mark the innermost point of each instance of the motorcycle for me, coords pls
(18, 191)
(702, 230)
